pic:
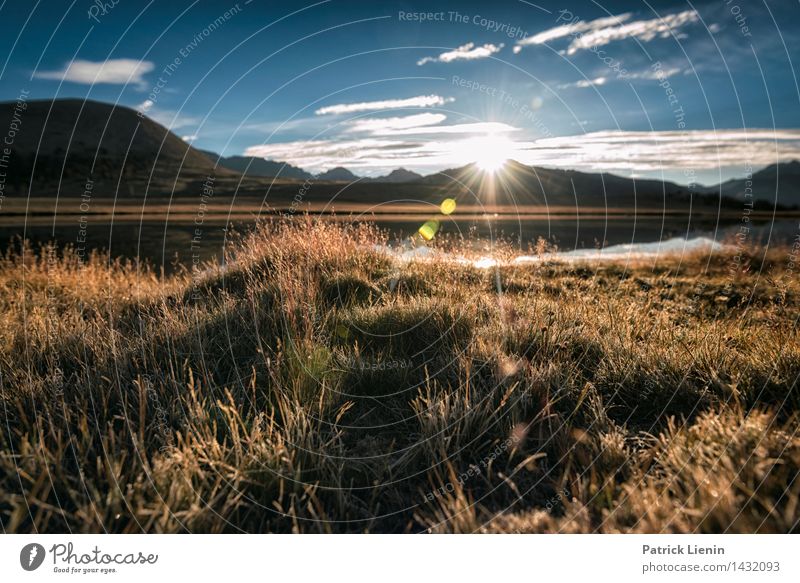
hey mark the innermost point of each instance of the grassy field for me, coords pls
(315, 385)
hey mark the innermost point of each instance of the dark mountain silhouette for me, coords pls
(518, 184)
(338, 174)
(71, 146)
(776, 184)
(250, 166)
(261, 167)
(397, 176)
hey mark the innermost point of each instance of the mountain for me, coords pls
(75, 147)
(338, 174)
(72, 146)
(777, 183)
(397, 176)
(250, 166)
(517, 184)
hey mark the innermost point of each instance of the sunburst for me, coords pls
(489, 152)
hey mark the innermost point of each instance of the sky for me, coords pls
(688, 91)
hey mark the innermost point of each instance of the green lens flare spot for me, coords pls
(342, 331)
(428, 230)
(448, 206)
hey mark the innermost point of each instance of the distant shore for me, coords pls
(250, 207)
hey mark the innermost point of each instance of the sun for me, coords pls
(490, 162)
(491, 152)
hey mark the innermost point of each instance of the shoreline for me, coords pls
(225, 206)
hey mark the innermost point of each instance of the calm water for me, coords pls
(170, 244)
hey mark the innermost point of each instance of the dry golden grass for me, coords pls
(316, 386)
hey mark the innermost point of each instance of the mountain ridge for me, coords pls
(259, 167)
(63, 145)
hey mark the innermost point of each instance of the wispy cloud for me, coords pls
(433, 146)
(418, 101)
(481, 128)
(112, 71)
(643, 30)
(370, 154)
(379, 125)
(571, 29)
(621, 152)
(423, 124)
(668, 151)
(646, 75)
(584, 83)
(651, 75)
(602, 31)
(467, 52)
(170, 119)
(357, 154)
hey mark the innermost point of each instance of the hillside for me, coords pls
(250, 166)
(778, 183)
(518, 185)
(64, 143)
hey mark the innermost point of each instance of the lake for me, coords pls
(171, 239)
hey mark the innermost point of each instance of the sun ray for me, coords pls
(489, 152)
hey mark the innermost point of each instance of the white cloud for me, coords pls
(112, 71)
(621, 152)
(651, 75)
(668, 150)
(418, 101)
(602, 31)
(169, 119)
(584, 83)
(317, 155)
(423, 124)
(467, 52)
(646, 74)
(644, 30)
(571, 29)
(366, 155)
(423, 147)
(379, 125)
(486, 127)
(390, 146)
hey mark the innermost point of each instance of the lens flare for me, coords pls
(428, 230)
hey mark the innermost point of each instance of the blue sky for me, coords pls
(690, 91)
